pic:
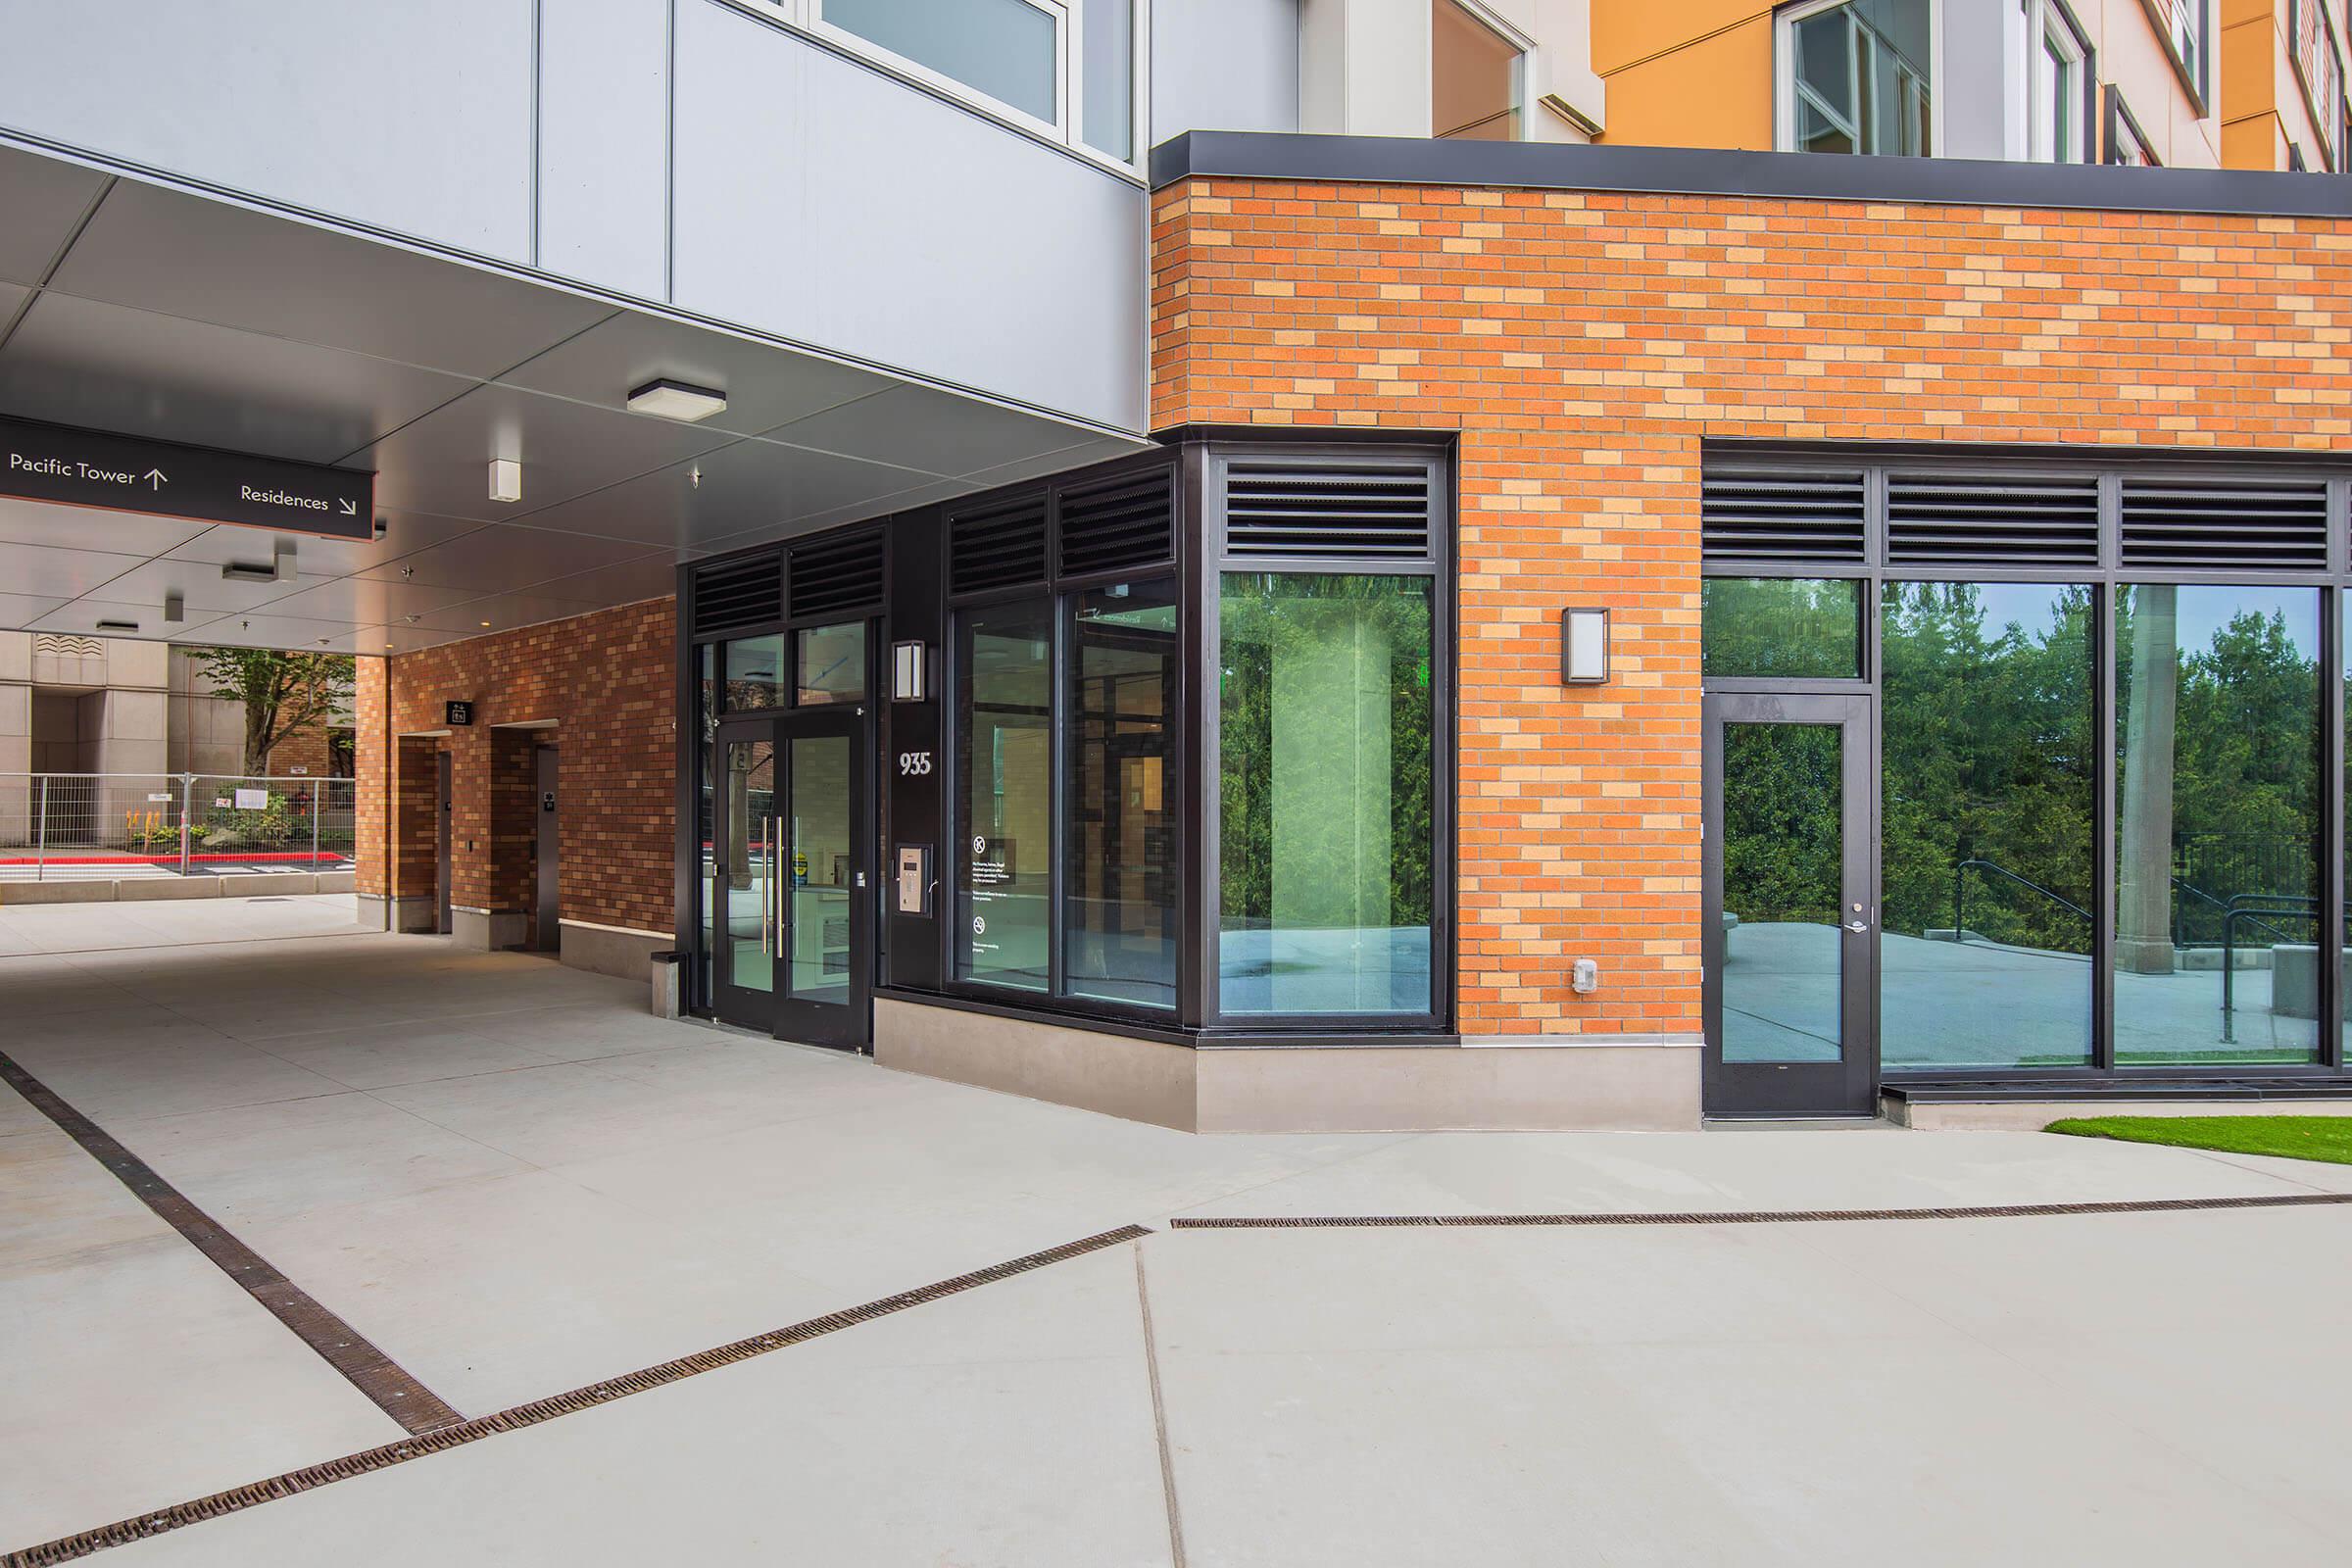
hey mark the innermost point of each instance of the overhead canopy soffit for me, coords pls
(152, 312)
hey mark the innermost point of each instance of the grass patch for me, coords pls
(2328, 1138)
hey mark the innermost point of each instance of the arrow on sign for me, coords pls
(350, 510)
(155, 478)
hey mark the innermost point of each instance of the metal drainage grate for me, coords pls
(67, 1549)
(1812, 1217)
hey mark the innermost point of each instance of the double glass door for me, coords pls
(791, 879)
(1792, 917)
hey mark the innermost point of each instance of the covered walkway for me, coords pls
(512, 1182)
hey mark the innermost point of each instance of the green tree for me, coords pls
(281, 693)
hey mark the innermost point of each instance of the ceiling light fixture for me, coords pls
(666, 399)
(117, 626)
(485, 625)
(175, 609)
(506, 480)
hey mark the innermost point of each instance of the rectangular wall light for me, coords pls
(1584, 647)
(675, 399)
(908, 673)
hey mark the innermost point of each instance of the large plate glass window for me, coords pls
(1327, 794)
(1119, 901)
(2218, 824)
(1004, 745)
(1857, 77)
(1988, 803)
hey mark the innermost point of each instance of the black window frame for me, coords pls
(2110, 471)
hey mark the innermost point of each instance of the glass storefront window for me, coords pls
(1119, 916)
(1004, 767)
(1326, 794)
(1988, 810)
(754, 674)
(832, 664)
(2218, 824)
(1793, 628)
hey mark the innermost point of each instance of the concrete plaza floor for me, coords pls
(514, 1183)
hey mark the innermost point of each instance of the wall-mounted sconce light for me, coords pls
(1584, 647)
(910, 673)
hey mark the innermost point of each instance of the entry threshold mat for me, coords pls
(310, 1478)
(364, 1367)
(1787, 1216)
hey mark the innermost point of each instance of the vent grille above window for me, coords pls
(2219, 522)
(999, 545)
(1119, 523)
(738, 593)
(1966, 519)
(1343, 511)
(1766, 514)
(837, 576)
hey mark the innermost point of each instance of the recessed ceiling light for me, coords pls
(675, 399)
(485, 625)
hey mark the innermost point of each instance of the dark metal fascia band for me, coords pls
(388, 1385)
(1812, 1217)
(67, 1549)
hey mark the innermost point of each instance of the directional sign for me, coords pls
(162, 479)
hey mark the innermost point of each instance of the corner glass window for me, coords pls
(1007, 49)
(2217, 909)
(1107, 76)
(1474, 76)
(1987, 807)
(1004, 767)
(754, 674)
(1326, 794)
(1795, 628)
(832, 664)
(1856, 78)
(1119, 915)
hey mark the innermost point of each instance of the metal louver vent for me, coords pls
(1118, 523)
(1344, 511)
(1781, 513)
(2225, 523)
(1974, 520)
(837, 576)
(1001, 544)
(738, 593)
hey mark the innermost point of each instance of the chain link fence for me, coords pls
(104, 826)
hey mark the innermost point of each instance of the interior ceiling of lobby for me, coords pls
(151, 311)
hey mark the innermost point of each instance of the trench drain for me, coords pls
(440, 1439)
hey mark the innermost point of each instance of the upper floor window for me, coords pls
(2319, 69)
(1856, 76)
(1477, 75)
(2052, 59)
(2186, 27)
(1063, 68)
(2126, 143)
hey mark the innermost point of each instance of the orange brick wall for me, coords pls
(1582, 346)
(608, 682)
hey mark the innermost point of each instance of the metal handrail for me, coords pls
(1960, 894)
(2252, 907)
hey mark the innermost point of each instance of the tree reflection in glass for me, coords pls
(1783, 859)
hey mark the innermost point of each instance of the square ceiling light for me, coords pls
(675, 399)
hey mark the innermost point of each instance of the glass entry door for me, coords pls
(1792, 917)
(792, 877)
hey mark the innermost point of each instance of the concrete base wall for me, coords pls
(488, 930)
(156, 889)
(607, 950)
(1648, 1083)
(410, 915)
(2032, 1116)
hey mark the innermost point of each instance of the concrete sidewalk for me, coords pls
(515, 1182)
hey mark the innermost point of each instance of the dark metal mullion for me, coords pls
(1207, 472)
(1196, 741)
(2329, 1011)
(1061, 711)
(2104, 827)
